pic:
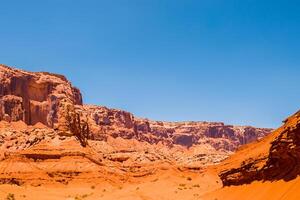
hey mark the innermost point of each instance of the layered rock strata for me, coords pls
(279, 159)
(46, 130)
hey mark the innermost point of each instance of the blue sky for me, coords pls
(213, 60)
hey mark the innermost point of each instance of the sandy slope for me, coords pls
(261, 153)
(166, 185)
(279, 190)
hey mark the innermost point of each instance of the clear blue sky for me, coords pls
(214, 60)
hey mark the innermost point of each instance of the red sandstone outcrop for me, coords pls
(34, 97)
(276, 157)
(45, 126)
(47, 98)
(106, 122)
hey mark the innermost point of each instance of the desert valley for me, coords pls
(53, 146)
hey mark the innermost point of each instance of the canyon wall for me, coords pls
(47, 98)
(106, 122)
(34, 97)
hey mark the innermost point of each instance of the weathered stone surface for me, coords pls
(11, 106)
(280, 161)
(118, 123)
(43, 97)
(34, 97)
(42, 119)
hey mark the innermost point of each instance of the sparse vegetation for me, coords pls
(93, 187)
(189, 178)
(196, 185)
(77, 126)
(80, 197)
(10, 196)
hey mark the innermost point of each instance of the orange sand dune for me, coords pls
(278, 190)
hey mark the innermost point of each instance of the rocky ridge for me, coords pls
(278, 157)
(44, 97)
(43, 123)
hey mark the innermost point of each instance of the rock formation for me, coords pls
(43, 120)
(43, 97)
(276, 157)
(34, 97)
(106, 122)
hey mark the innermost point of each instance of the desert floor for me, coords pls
(165, 186)
(168, 186)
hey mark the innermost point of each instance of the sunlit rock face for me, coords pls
(43, 97)
(277, 157)
(106, 122)
(46, 131)
(34, 97)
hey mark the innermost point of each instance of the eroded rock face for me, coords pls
(11, 108)
(282, 161)
(34, 97)
(117, 123)
(42, 118)
(43, 97)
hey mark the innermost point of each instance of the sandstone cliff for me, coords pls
(34, 97)
(44, 126)
(47, 98)
(106, 122)
(274, 158)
